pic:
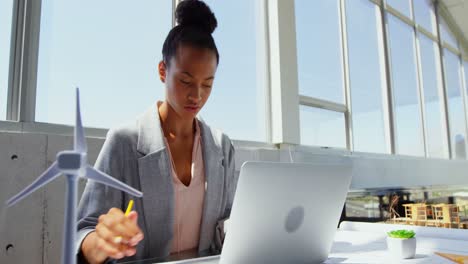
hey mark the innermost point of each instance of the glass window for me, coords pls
(237, 102)
(424, 15)
(6, 9)
(401, 5)
(110, 53)
(321, 127)
(455, 105)
(362, 207)
(435, 126)
(465, 65)
(367, 75)
(447, 35)
(407, 111)
(319, 55)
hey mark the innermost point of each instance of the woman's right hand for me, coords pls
(116, 236)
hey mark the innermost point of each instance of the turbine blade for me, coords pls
(103, 178)
(80, 141)
(50, 174)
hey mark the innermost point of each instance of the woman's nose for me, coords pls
(195, 94)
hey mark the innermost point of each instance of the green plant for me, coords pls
(401, 234)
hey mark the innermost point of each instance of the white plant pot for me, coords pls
(401, 248)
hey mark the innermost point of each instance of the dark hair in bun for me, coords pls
(195, 13)
(196, 23)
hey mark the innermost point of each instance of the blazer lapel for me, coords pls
(158, 189)
(156, 183)
(214, 177)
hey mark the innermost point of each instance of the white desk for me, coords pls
(366, 243)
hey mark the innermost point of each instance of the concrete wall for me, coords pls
(31, 231)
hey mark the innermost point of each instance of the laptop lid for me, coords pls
(286, 212)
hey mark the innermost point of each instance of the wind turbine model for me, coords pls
(73, 164)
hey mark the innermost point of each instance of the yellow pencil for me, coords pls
(118, 239)
(129, 207)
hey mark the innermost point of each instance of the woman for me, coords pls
(184, 168)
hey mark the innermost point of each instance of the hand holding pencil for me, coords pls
(116, 236)
(118, 239)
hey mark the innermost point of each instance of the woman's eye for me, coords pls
(207, 86)
(184, 82)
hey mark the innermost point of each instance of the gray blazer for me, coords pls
(136, 154)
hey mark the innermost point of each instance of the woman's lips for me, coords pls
(192, 109)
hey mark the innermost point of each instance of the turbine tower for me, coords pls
(73, 164)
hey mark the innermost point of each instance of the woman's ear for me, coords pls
(162, 71)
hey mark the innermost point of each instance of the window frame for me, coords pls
(344, 108)
(464, 92)
(24, 52)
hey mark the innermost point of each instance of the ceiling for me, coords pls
(458, 9)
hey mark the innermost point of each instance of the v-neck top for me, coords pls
(189, 199)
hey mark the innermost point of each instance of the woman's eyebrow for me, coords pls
(190, 75)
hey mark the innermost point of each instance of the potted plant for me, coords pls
(401, 243)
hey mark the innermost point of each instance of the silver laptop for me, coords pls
(286, 212)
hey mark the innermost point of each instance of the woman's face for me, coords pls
(188, 79)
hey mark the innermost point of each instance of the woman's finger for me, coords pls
(108, 249)
(117, 224)
(104, 233)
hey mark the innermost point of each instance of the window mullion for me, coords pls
(442, 74)
(420, 88)
(391, 139)
(23, 61)
(283, 72)
(347, 91)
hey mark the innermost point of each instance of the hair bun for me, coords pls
(197, 14)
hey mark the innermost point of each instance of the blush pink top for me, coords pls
(188, 200)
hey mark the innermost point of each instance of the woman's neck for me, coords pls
(173, 126)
